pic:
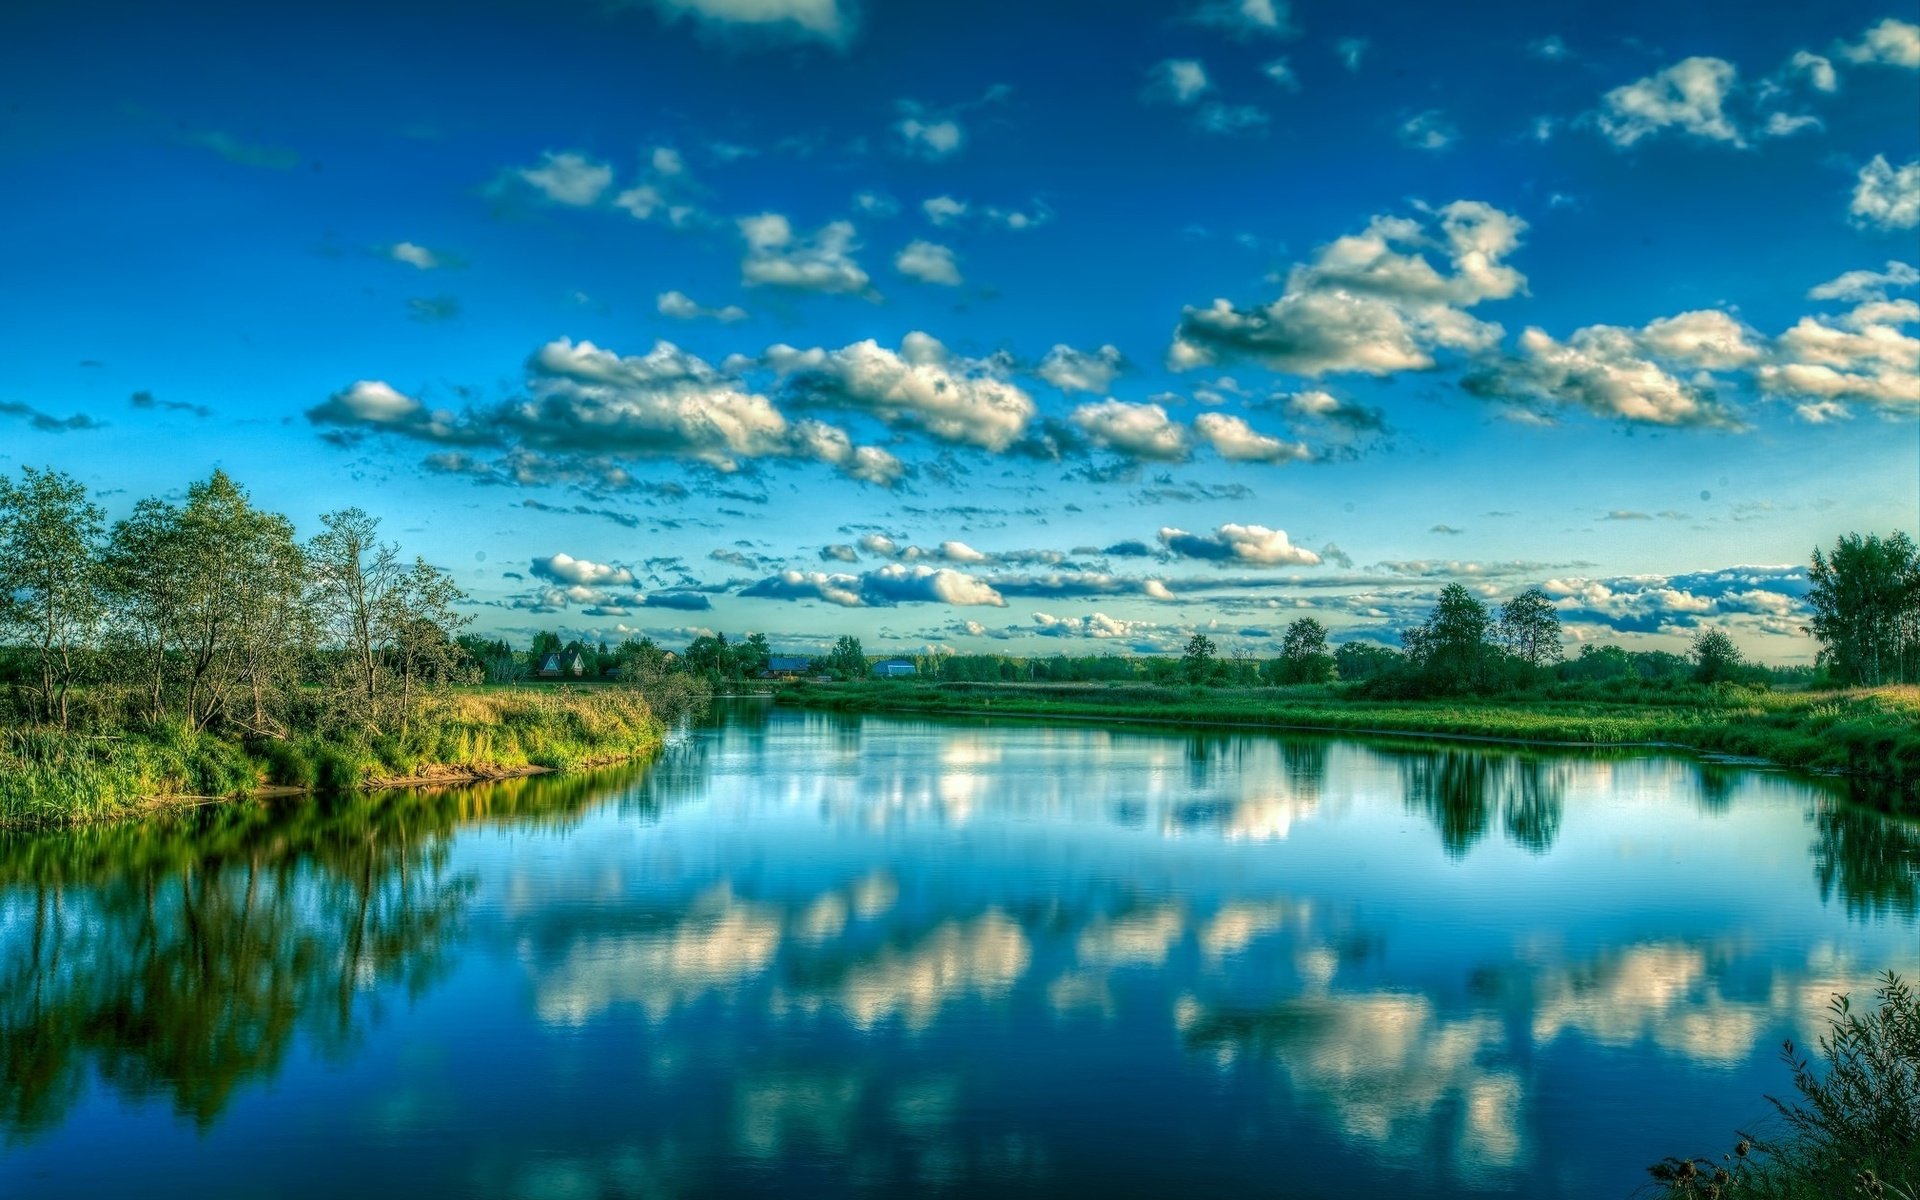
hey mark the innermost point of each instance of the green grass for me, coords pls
(51, 778)
(1873, 733)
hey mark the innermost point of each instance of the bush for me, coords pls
(1854, 1132)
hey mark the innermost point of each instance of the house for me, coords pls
(895, 668)
(562, 664)
(786, 668)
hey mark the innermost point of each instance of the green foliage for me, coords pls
(1855, 1129)
(1303, 654)
(1197, 662)
(1529, 629)
(1715, 657)
(1866, 609)
(847, 659)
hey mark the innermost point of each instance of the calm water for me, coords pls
(814, 955)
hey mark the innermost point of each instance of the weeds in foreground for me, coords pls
(1854, 1131)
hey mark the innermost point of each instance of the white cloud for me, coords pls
(1867, 285)
(1893, 42)
(875, 204)
(1371, 302)
(1786, 125)
(1864, 356)
(568, 178)
(943, 210)
(1247, 545)
(1886, 196)
(1689, 95)
(1430, 130)
(928, 262)
(1140, 431)
(1553, 48)
(821, 263)
(415, 255)
(929, 137)
(1232, 438)
(1611, 371)
(1817, 68)
(1282, 74)
(1179, 81)
(668, 402)
(1073, 370)
(377, 405)
(825, 20)
(1244, 18)
(566, 569)
(1707, 338)
(1096, 625)
(1350, 50)
(895, 583)
(682, 307)
(953, 398)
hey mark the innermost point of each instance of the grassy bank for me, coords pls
(1869, 733)
(50, 778)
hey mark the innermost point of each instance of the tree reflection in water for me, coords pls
(1872, 859)
(1463, 792)
(181, 956)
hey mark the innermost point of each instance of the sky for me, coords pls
(1023, 328)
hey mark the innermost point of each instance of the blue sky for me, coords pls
(1022, 327)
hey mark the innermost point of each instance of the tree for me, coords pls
(1359, 661)
(1530, 628)
(142, 580)
(49, 572)
(1303, 653)
(1197, 661)
(1715, 657)
(847, 659)
(752, 655)
(1866, 609)
(1450, 648)
(420, 620)
(352, 575)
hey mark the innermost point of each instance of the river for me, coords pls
(818, 955)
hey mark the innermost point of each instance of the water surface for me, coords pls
(807, 954)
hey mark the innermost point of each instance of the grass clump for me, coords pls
(1854, 1131)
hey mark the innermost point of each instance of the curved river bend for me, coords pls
(807, 954)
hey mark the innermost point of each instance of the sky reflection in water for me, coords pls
(822, 955)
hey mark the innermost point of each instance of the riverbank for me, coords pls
(1872, 734)
(51, 778)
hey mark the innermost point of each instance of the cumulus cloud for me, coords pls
(1247, 18)
(928, 262)
(1094, 625)
(1689, 96)
(1350, 50)
(1886, 196)
(1233, 439)
(822, 263)
(823, 20)
(374, 404)
(923, 385)
(1317, 405)
(1073, 370)
(1766, 598)
(416, 255)
(1616, 372)
(1371, 302)
(1867, 285)
(895, 583)
(1177, 81)
(566, 569)
(569, 178)
(1140, 431)
(1281, 72)
(1430, 130)
(1892, 42)
(682, 307)
(1243, 545)
(1865, 356)
(1817, 69)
